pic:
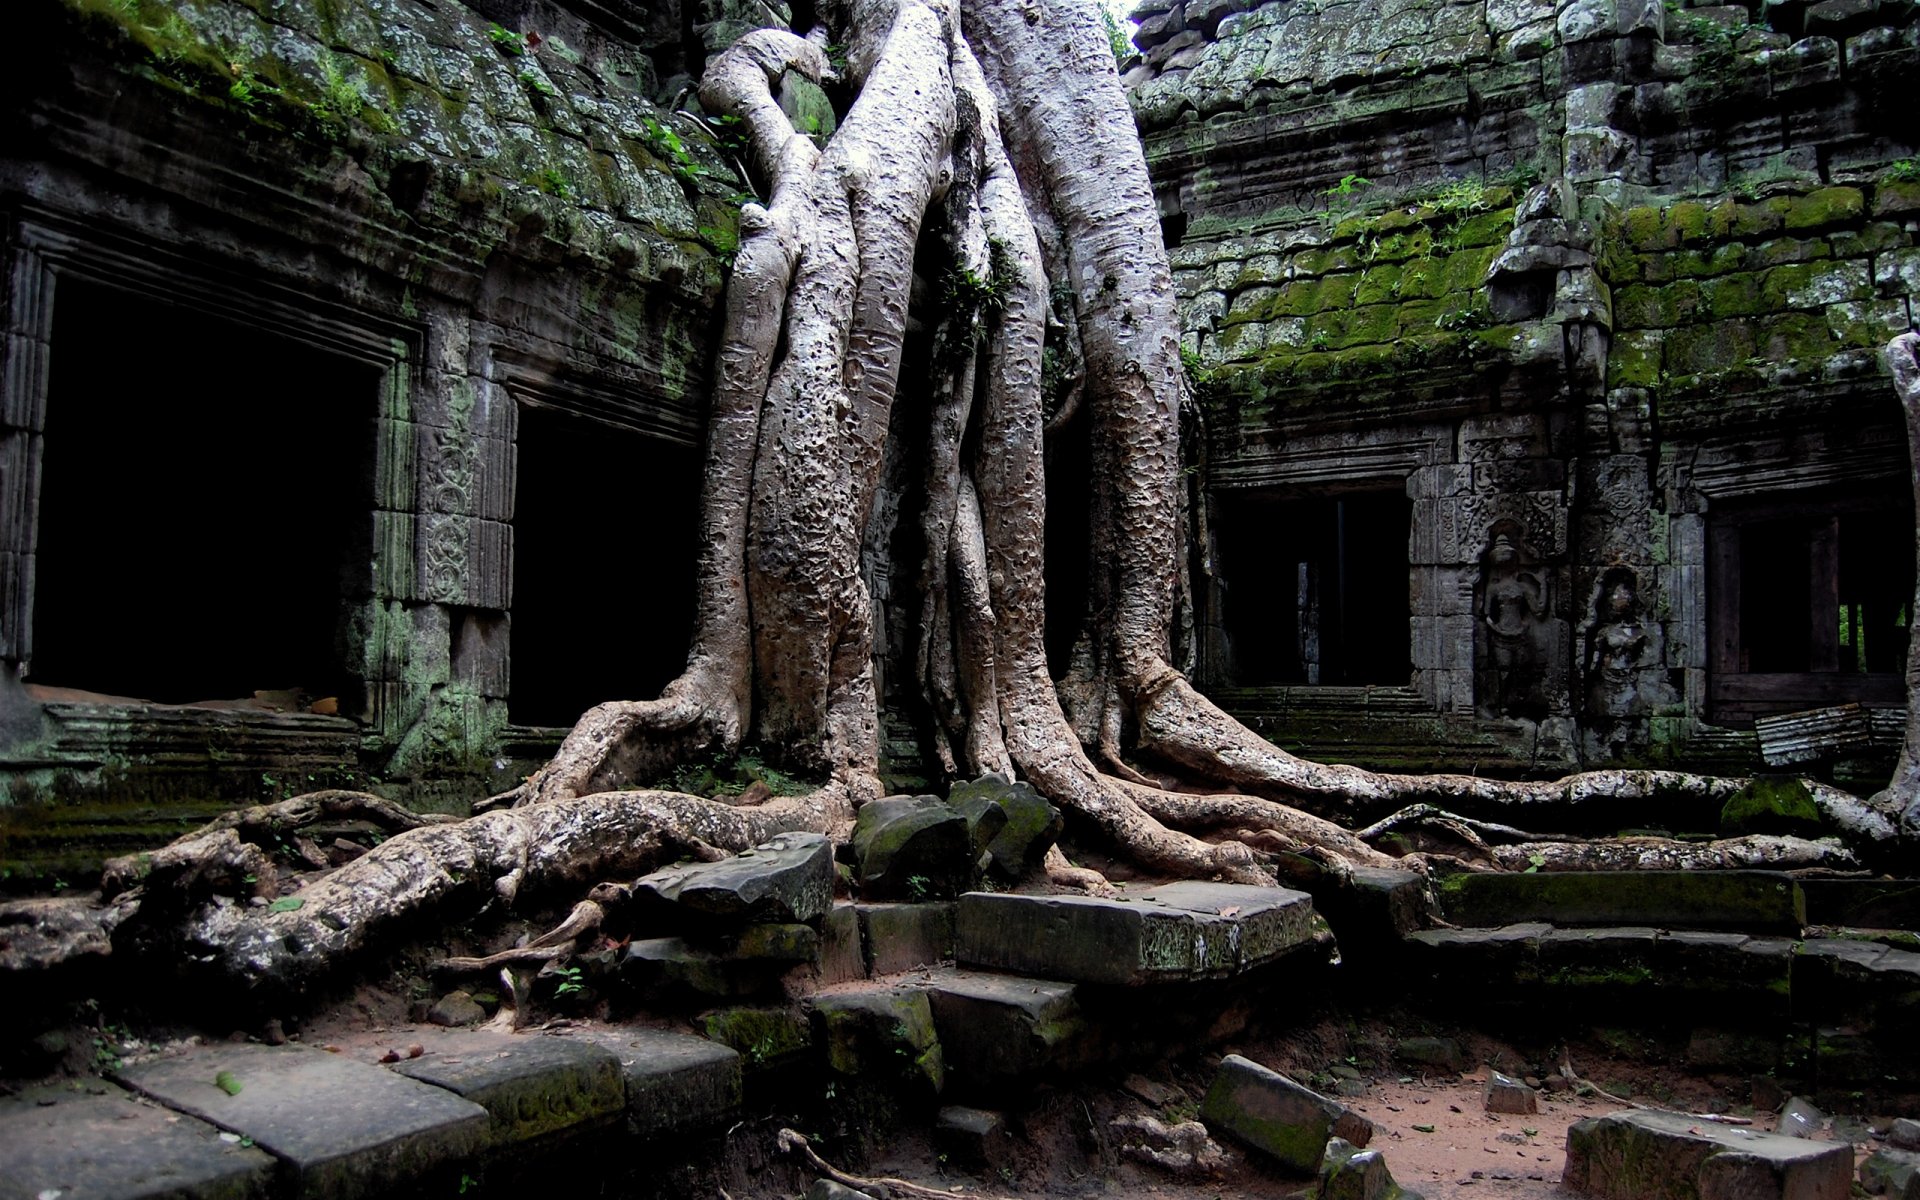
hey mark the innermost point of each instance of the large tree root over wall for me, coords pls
(996, 133)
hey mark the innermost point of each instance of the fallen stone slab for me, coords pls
(1506, 1095)
(1800, 1118)
(912, 848)
(1176, 932)
(1751, 901)
(973, 1139)
(1642, 1155)
(1269, 1112)
(531, 1086)
(676, 1083)
(340, 1127)
(900, 937)
(1894, 1173)
(787, 879)
(1904, 1134)
(107, 1143)
(751, 962)
(996, 1028)
(883, 1034)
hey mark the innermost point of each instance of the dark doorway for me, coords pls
(205, 500)
(1314, 589)
(605, 536)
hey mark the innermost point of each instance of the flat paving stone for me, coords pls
(676, 1082)
(105, 1143)
(1175, 932)
(1642, 1155)
(340, 1127)
(531, 1086)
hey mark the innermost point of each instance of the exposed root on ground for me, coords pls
(881, 1185)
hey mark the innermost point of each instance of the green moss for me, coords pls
(1827, 206)
(1892, 198)
(1771, 804)
(1732, 296)
(1643, 229)
(761, 1035)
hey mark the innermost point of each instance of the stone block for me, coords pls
(765, 1036)
(900, 937)
(1431, 1054)
(1267, 1111)
(1030, 829)
(676, 1083)
(1350, 1173)
(883, 1034)
(1504, 1095)
(994, 1028)
(1759, 901)
(103, 1142)
(1894, 1173)
(912, 848)
(973, 1139)
(530, 1086)
(1643, 1155)
(1863, 903)
(1799, 1118)
(752, 961)
(1179, 931)
(340, 1127)
(1904, 1134)
(788, 879)
(841, 956)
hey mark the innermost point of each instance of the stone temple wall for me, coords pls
(479, 215)
(1599, 287)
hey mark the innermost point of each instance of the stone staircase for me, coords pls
(956, 998)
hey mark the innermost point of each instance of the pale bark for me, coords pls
(1902, 795)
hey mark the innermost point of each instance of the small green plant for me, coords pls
(1459, 197)
(551, 181)
(1200, 379)
(537, 84)
(506, 41)
(1118, 39)
(919, 887)
(725, 243)
(571, 982)
(1349, 185)
(1906, 170)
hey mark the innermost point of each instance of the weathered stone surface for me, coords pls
(1759, 901)
(1350, 1173)
(911, 848)
(1800, 1118)
(1505, 1095)
(884, 1034)
(1179, 931)
(676, 1083)
(103, 1142)
(1863, 903)
(1276, 1116)
(1770, 804)
(788, 879)
(750, 962)
(1643, 1155)
(342, 1128)
(1904, 1134)
(1894, 1173)
(765, 1037)
(974, 1139)
(1031, 826)
(900, 937)
(832, 1189)
(842, 958)
(1431, 1053)
(993, 1028)
(530, 1086)
(456, 1008)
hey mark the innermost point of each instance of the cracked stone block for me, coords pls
(530, 1086)
(1642, 1155)
(342, 1128)
(788, 879)
(882, 1033)
(107, 1143)
(994, 1028)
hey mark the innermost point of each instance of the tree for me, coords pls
(1002, 123)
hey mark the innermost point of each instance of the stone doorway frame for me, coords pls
(41, 249)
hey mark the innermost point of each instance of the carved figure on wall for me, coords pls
(1614, 647)
(1516, 659)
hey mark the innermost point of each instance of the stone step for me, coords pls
(339, 1127)
(1864, 903)
(304, 1122)
(1749, 901)
(1818, 980)
(996, 1028)
(1642, 1155)
(1172, 933)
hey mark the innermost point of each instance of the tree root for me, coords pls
(793, 1142)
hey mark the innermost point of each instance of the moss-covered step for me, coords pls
(1180, 931)
(531, 1086)
(1645, 1155)
(1753, 901)
(339, 1127)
